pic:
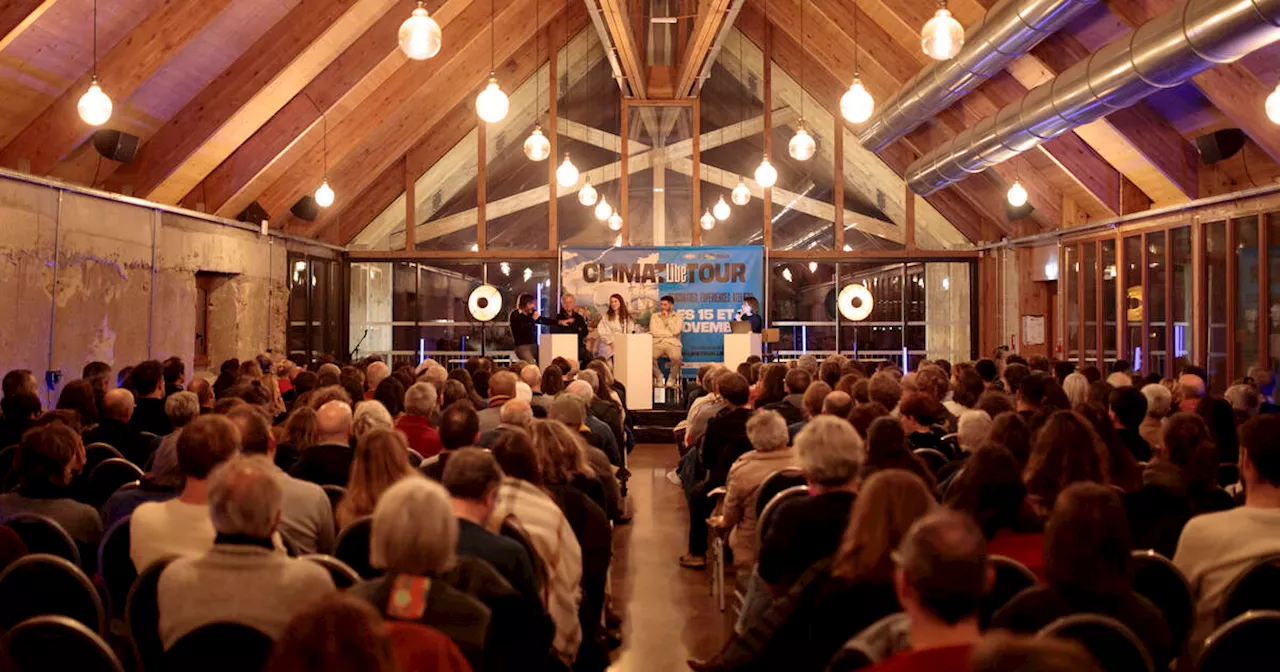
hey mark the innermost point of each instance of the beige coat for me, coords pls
(1152, 429)
(746, 476)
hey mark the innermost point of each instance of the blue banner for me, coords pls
(707, 283)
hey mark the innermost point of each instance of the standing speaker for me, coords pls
(115, 145)
(306, 208)
(1220, 145)
(253, 213)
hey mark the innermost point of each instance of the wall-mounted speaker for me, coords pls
(1019, 212)
(1220, 145)
(254, 214)
(115, 145)
(306, 208)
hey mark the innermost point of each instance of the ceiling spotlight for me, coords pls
(766, 174)
(537, 147)
(615, 221)
(943, 36)
(813, 267)
(492, 104)
(1273, 105)
(801, 147)
(856, 105)
(420, 35)
(603, 210)
(567, 173)
(1017, 195)
(587, 194)
(708, 221)
(786, 273)
(94, 105)
(741, 195)
(324, 195)
(721, 209)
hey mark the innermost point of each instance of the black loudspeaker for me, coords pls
(1220, 145)
(115, 145)
(1021, 212)
(253, 214)
(306, 208)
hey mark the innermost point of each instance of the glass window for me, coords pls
(1071, 278)
(513, 279)
(880, 335)
(1247, 300)
(370, 308)
(1273, 296)
(1157, 261)
(947, 320)
(446, 200)
(516, 189)
(1135, 306)
(1108, 316)
(1089, 308)
(730, 147)
(802, 306)
(588, 131)
(297, 334)
(660, 195)
(1183, 278)
(1215, 240)
(803, 218)
(446, 330)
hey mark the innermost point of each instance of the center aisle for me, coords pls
(667, 610)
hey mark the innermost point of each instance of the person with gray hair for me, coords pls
(242, 579)
(570, 412)
(161, 483)
(602, 436)
(808, 363)
(181, 408)
(420, 404)
(1244, 399)
(502, 388)
(414, 540)
(1159, 405)
(517, 415)
(972, 430)
(370, 415)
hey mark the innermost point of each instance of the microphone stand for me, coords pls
(356, 349)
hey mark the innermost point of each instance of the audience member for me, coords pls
(1128, 410)
(368, 416)
(1076, 387)
(887, 448)
(517, 415)
(995, 402)
(838, 404)
(967, 389)
(381, 459)
(885, 389)
(1192, 388)
(1159, 404)
(459, 428)
(328, 462)
(1003, 652)
(115, 430)
(78, 396)
(767, 432)
(175, 375)
(48, 458)
(599, 433)
(161, 483)
(390, 393)
(148, 388)
(815, 394)
(725, 441)
(339, 632)
(1066, 450)
(415, 423)
(989, 488)
(502, 388)
(1221, 419)
(204, 393)
(241, 578)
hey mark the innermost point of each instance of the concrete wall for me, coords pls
(89, 279)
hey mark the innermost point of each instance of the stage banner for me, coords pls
(707, 283)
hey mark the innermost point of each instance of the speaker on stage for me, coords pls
(1220, 145)
(115, 145)
(306, 208)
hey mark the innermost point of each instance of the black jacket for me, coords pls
(124, 438)
(524, 329)
(725, 441)
(325, 464)
(149, 416)
(578, 327)
(802, 532)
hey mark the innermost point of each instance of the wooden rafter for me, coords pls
(16, 16)
(625, 44)
(706, 27)
(58, 130)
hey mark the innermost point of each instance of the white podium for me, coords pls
(738, 347)
(551, 346)
(633, 367)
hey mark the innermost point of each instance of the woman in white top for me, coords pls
(616, 321)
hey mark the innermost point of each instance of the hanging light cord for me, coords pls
(324, 133)
(493, 66)
(803, 56)
(95, 39)
(855, 40)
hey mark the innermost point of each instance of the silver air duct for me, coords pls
(1010, 29)
(1166, 51)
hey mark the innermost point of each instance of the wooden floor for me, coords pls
(668, 613)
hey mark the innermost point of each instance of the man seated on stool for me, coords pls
(666, 326)
(569, 321)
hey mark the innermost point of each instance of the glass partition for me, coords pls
(1089, 307)
(1110, 320)
(1246, 299)
(1215, 240)
(1183, 292)
(1157, 311)
(1135, 302)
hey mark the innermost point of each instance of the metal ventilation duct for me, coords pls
(1166, 51)
(1009, 30)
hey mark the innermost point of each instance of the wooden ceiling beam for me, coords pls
(629, 50)
(58, 130)
(16, 16)
(247, 93)
(706, 27)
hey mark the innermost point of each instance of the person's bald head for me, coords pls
(943, 571)
(532, 377)
(838, 404)
(516, 412)
(503, 384)
(580, 390)
(377, 372)
(333, 423)
(118, 404)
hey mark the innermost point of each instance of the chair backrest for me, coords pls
(42, 585)
(58, 643)
(96, 453)
(149, 436)
(352, 547)
(1248, 642)
(934, 459)
(44, 535)
(766, 515)
(115, 565)
(776, 482)
(1256, 588)
(415, 458)
(850, 658)
(107, 477)
(335, 493)
(343, 576)
(1158, 580)
(142, 613)
(220, 647)
(1109, 641)
(1011, 577)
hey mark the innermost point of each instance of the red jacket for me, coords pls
(422, 436)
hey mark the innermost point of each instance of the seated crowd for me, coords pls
(483, 507)
(912, 490)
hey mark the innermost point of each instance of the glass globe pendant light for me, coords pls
(94, 106)
(324, 195)
(492, 104)
(567, 173)
(721, 209)
(420, 35)
(1017, 195)
(603, 210)
(537, 147)
(801, 147)
(587, 194)
(740, 195)
(766, 174)
(708, 221)
(856, 105)
(615, 222)
(942, 36)
(1273, 105)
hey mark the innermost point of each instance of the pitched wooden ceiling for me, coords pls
(228, 96)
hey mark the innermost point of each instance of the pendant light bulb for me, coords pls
(766, 174)
(741, 195)
(324, 195)
(94, 105)
(1273, 105)
(420, 35)
(1017, 195)
(943, 36)
(587, 194)
(567, 173)
(721, 209)
(537, 147)
(857, 105)
(801, 147)
(492, 104)
(615, 222)
(603, 210)
(708, 221)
